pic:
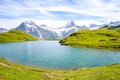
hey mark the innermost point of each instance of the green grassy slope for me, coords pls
(11, 71)
(15, 36)
(102, 38)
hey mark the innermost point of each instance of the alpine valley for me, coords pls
(45, 32)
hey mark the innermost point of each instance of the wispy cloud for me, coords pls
(60, 10)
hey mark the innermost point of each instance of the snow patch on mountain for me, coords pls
(69, 29)
(117, 23)
(95, 26)
(41, 31)
(3, 30)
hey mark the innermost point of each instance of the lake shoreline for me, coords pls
(13, 71)
(33, 66)
(100, 48)
(100, 39)
(13, 62)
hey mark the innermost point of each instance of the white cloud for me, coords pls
(87, 22)
(14, 23)
(108, 10)
(50, 23)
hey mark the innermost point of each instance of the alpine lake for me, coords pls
(52, 55)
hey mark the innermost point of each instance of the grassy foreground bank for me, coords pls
(101, 38)
(12, 71)
(15, 36)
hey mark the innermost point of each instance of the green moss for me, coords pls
(15, 36)
(107, 39)
(12, 71)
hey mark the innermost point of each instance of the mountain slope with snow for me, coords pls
(3, 30)
(95, 26)
(29, 27)
(38, 31)
(69, 29)
(47, 32)
(117, 23)
(44, 31)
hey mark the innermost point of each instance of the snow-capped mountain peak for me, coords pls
(70, 24)
(3, 30)
(38, 31)
(69, 28)
(94, 26)
(114, 23)
(28, 22)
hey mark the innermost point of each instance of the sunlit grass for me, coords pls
(102, 38)
(15, 36)
(11, 71)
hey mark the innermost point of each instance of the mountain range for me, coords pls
(43, 31)
(3, 30)
(94, 26)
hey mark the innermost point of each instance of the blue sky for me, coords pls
(56, 13)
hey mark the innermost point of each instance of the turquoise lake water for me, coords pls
(52, 55)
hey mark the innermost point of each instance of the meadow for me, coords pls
(15, 36)
(101, 38)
